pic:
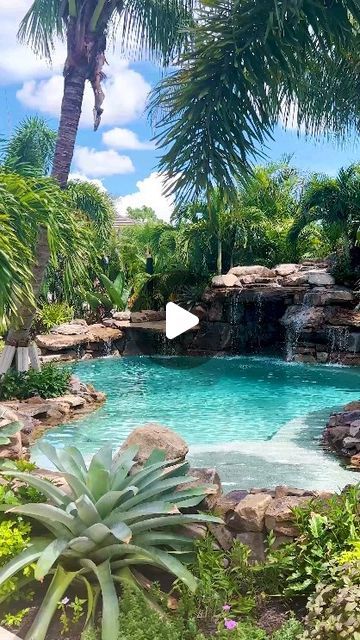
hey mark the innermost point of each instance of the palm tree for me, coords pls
(86, 25)
(246, 68)
(335, 202)
(30, 151)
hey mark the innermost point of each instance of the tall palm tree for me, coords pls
(151, 26)
(245, 69)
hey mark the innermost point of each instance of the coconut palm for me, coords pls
(246, 68)
(151, 26)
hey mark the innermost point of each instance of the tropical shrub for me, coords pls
(115, 294)
(14, 539)
(326, 529)
(49, 382)
(14, 493)
(108, 526)
(333, 610)
(51, 315)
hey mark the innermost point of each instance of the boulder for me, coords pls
(355, 428)
(228, 280)
(279, 516)
(225, 504)
(256, 270)
(337, 316)
(355, 461)
(285, 269)
(352, 406)
(121, 315)
(319, 297)
(300, 317)
(32, 408)
(319, 277)
(249, 514)
(222, 535)
(295, 280)
(250, 279)
(155, 436)
(209, 478)
(255, 542)
(75, 402)
(148, 315)
(59, 342)
(70, 329)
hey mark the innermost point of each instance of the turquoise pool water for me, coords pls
(257, 419)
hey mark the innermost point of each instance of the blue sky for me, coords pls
(120, 154)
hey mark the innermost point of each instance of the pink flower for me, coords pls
(230, 624)
(226, 607)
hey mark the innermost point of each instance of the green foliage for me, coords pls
(327, 529)
(51, 315)
(108, 526)
(333, 611)
(224, 578)
(15, 493)
(49, 382)
(353, 555)
(30, 150)
(141, 214)
(14, 539)
(290, 630)
(14, 620)
(116, 294)
(70, 613)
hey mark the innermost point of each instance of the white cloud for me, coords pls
(125, 139)
(18, 62)
(120, 106)
(96, 164)
(80, 177)
(149, 193)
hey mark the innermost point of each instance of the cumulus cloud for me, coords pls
(149, 193)
(125, 139)
(96, 164)
(80, 177)
(17, 62)
(120, 107)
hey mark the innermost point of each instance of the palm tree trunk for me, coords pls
(74, 87)
(219, 255)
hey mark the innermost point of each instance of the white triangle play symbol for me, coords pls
(178, 320)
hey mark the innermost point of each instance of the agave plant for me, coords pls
(105, 528)
(8, 431)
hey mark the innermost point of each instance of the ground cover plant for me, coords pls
(49, 382)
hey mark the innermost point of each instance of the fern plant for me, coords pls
(108, 526)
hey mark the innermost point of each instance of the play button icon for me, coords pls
(178, 320)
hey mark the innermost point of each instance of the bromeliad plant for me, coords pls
(106, 528)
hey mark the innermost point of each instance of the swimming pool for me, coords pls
(257, 419)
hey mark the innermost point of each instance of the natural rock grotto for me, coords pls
(296, 310)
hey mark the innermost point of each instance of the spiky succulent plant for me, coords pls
(105, 527)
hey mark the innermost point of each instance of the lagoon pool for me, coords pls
(258, 420)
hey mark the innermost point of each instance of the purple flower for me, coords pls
(65, 601)
(230, 624)
(226, 607)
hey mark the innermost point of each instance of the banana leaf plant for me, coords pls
(106, 528)
(115, 297)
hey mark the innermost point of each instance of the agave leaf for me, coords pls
(90, 600)
(156, 490)
(115, 551)
(87, 511)
(97, 532)
(150, 509)
(169, 521)
(146, 476)
(110, 628)
(163, 473)
(157, 455)
(69, 464)
(174, 566)
(47, 513)
(23, 559)
(78, 487)
(59, 584)
(109, 501)
(47, 488)
(121, 466)
(82, 545)
(121, 532)
(158, 538)
(49, 557)
(76, 454)
(98, 478)
(51, 453)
